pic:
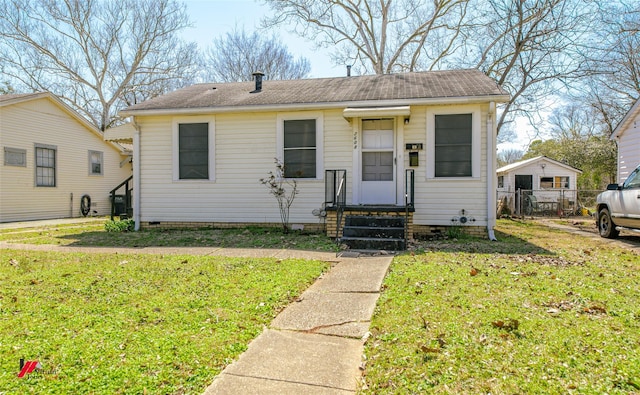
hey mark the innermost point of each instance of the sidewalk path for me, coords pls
(315, 345)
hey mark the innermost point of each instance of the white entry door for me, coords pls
(378, 182)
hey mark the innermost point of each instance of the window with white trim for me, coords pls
(300, 148)
(193, 151)
(454, 142)
(95, 163)
(193, 143)
(45, 165)
(15, 157)
(453, 145)
(300, 144)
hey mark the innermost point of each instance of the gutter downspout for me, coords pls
(491, 170)
(136, 174)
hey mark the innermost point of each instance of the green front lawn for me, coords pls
(538, 312)
(94, 235)
(112, 323)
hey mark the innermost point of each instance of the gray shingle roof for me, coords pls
(387, 87)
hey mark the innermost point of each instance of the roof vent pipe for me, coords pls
(348, 70)
(258, 78)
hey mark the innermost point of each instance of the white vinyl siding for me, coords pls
(551, 176)
(629, 150)
(439, 199)
(43, 121)
(247, 144)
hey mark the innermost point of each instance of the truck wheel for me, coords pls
(606, 227)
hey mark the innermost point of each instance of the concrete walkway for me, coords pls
(315, 345)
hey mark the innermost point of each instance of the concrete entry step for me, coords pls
(374, 233)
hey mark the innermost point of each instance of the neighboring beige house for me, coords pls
(52, 157)
(355, 145)
(549, 181)
(627, 137)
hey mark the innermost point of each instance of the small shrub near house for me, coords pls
(125, 225)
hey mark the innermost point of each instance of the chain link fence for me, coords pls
(547, 203)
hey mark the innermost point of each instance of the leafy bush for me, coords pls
(125, 225)
(277, 184)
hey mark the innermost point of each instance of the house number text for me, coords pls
(355, 140)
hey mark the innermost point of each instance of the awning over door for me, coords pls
(376, 112)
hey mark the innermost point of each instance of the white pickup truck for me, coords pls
(619, 207)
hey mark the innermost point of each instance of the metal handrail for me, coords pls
(336, 194)
(409, 194)
(409, 187)
(127, 197)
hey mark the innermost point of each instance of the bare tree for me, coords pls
(531, 48)
(615, 56)
(379, 36)
(97, 55)
(5, 86)
(580, 142)
(509, 156)
(237, 55)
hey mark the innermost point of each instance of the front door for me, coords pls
(378, 182)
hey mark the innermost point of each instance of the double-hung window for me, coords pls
(45, 165)
(95, 163)
(453, 142)
(300, 148)
(300, 141)
(193, 149)
(453, 145)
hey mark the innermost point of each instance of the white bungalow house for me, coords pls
(416, 145)
(552, 184)
(627, 137)
(52, 158)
